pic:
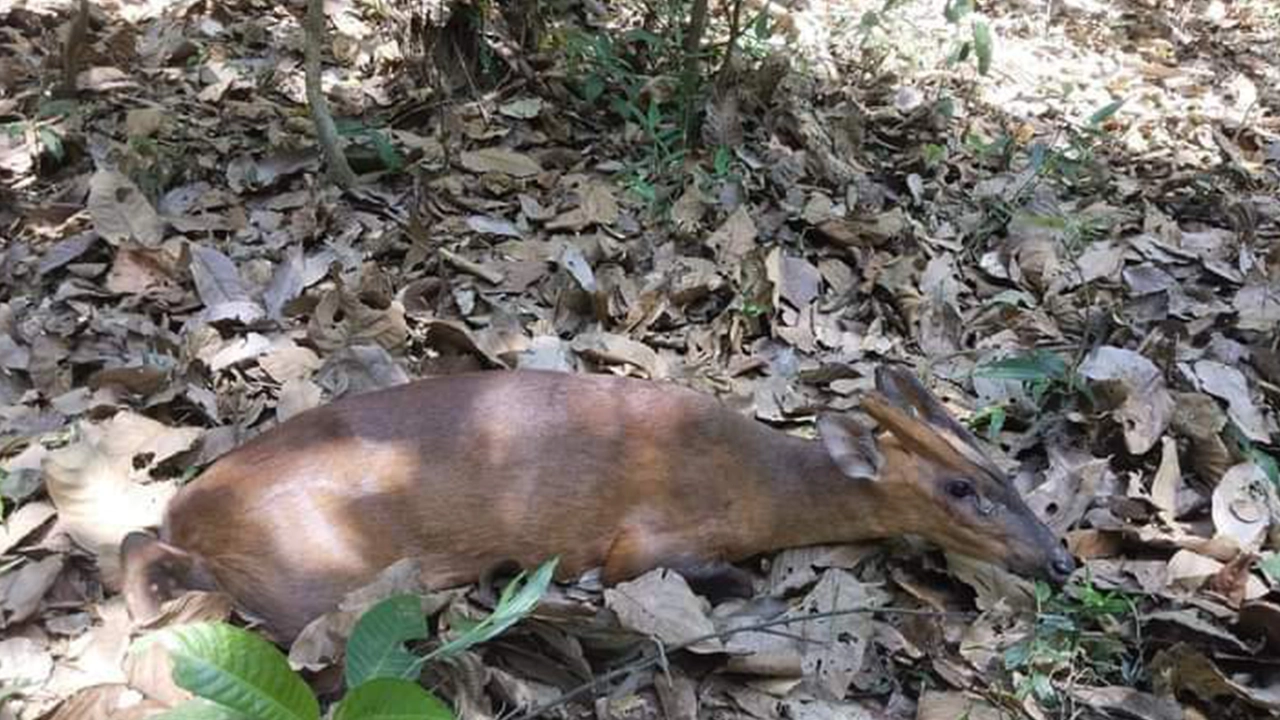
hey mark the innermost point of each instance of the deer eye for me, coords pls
(960, 489)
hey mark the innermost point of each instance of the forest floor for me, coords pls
(1078, 250)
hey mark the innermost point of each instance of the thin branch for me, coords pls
(659, 657)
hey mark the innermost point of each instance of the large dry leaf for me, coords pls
(1146, 406)
(22, 522)
(1228, 383)
(343, 320)
(595, 207)
(794, 279)
(938, 705)
(834, 647)
(1128, 702)
(286, 360)
(610, 348)
(500, 160)
(1258, 307)
(138, 270)
(735, 238)
(120, 211)
(660, 604)
(220, 288)
(22, 591)
(97, 656)
(93, 481)
(1184, 668)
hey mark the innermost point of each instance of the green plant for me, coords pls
(993, 416)
(236, 674)
(1255, 454)
(1077, 638)
(1044, 372)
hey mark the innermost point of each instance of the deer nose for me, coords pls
(1061, 566)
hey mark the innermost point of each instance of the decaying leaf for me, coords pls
(1228, 383)
(660, 604)
(22, 590)
(121, 213)
(500, 160)
(1242, 506)
(1145, 405)
(611, 348)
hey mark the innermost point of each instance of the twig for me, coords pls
(492, 276)
(326, 132)
(660, 657)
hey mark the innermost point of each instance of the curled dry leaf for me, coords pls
(1146, 407)
(286, 360)
(342, 320)
(1198, 418)
(296, 396)
(1168, 477)
(609, 348)
(93, 481)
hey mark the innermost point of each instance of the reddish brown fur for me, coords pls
(466, 471)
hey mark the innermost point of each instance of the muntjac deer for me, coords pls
(468, 471)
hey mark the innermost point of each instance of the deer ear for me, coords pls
(851, 446)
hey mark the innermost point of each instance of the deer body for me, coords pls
(465, 472)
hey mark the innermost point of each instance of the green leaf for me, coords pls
(376, 648)
(391, 699)
(236, 669)
(512, 606)
(1270, 565)
(1105, 113)
(994, 416)
(956, 10)
(1033, 366)
(982, 45)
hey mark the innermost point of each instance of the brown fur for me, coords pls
(467, 471)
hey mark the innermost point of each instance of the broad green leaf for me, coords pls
(238, 670)
(982, 45)
(1034, 366)
(376, 648)
(512, 606)
(391, 699)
